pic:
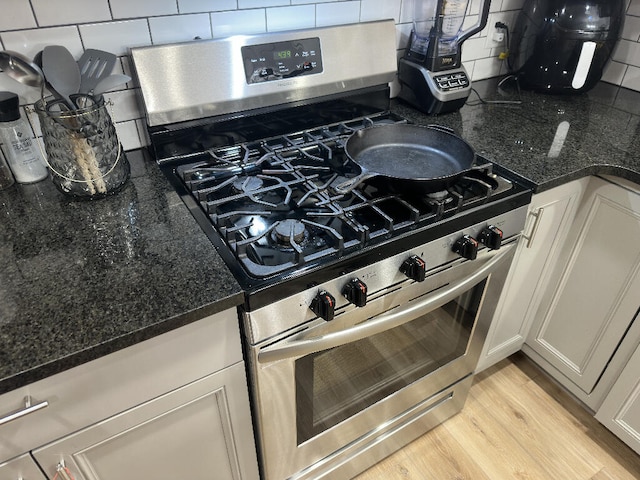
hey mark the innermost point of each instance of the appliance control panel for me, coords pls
(452, 81)
(269, 62)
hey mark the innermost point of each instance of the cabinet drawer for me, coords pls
(21, 468)
(201, 430)
(119, 381)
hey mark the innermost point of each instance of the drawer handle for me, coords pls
(538, 218)
(28, 408)
(63, 472)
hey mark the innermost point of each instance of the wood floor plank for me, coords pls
(516, 425)
(492, 446)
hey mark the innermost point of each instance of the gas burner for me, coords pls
(289, 231)
(247, 184)
(438, 196)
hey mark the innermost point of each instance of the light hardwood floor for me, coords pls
(516, 425)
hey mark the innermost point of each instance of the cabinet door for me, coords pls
(200, 431)
(595, 292)
(21, 468)
(550, 215)
(620, 411)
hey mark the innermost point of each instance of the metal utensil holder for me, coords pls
(83, 152)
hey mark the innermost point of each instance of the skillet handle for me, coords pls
(343, 187)
(442, 128)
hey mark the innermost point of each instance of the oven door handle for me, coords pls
(299, 346)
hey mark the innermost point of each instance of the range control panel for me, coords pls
(276, 61)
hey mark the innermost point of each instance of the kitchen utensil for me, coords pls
(412, 157)
(61, 71)
(21, 69)
(94, 66)
(431, 73)
(112, 81)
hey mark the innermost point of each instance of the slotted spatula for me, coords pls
(94, 65)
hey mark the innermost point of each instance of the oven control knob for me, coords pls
(466, 246)
(323, 305)
(356, 292)
(491, 236)
(414, 267)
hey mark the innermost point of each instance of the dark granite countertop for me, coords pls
(81, 279)
(549, 139)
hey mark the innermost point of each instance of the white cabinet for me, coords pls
(197, 431)
(176, 401)
(593, 295)
(620, 411)
(21, 468)
(550, 216)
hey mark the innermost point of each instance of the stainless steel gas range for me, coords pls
(365, 311)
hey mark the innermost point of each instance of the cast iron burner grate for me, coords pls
(273, 204)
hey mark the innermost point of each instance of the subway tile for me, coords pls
(511, 5)
(379, 10)
(262, 3)
(30, 42)
(474, 49)
(124, 105)
(627, 52)
(67, 12)
(197, 6)
(317, 2)
(337, 13)
(486, 68)
(614, 73)
(239, 22)
(128, 135)
(16, 14)
(116, 37)
(634, 8)
(142, 8)
(403, 35)
(632, 78)
(180, 28)
(291, 18)
(631, 30)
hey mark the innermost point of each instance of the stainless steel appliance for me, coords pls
(365, 310)
(431, 73)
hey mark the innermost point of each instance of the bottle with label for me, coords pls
(23, 155)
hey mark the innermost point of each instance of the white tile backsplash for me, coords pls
(337, 13)
(238, 22)
(379, 10)
(196, 6)
(27, 26)
(116, 37)
(141, 8)
(16, 14)
(66, 12)
(180, 28)
(291, 18)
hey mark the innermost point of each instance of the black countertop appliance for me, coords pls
(563, 46)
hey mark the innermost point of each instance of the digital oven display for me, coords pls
(268, 62)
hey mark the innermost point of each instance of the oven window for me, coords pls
(336, 384)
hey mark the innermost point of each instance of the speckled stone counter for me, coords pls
(547, 139)
(79, 280)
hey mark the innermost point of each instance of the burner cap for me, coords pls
(288, 229)
(441, 195)
(247, 184)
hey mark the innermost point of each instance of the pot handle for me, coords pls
(345, 185)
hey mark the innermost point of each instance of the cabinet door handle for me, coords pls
(63, 472)
(538, 217)
(28, 408)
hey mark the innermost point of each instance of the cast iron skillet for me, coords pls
(408, 157)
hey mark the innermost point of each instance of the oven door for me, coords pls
(346, 383)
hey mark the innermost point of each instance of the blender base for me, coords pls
(433, 92)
